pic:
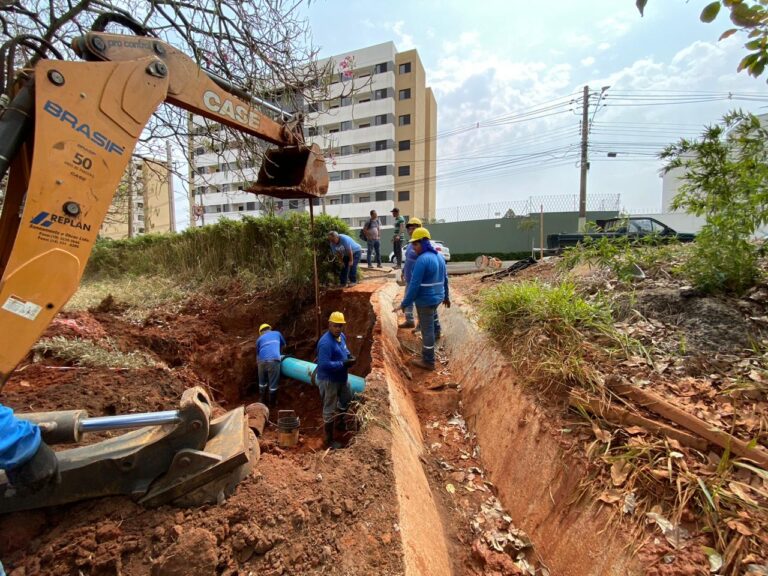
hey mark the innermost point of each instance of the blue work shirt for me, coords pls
(19, 440)
(268, 346)
(429, 281)
(331, 354)
(345, 243)
(410, 262)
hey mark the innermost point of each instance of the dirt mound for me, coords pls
(709, 324)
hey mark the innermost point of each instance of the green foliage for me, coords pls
(559, 309)
(750, 16)
(622, 254)
(726, 181)
(276, 251)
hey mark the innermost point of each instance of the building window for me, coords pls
(405, 94)
(346, 125)
(250, 205)
(364, 175)
(380, 120)
(240, 207)
(334, 176)
(346, 174)
(335, 201)
(364, 100)
(313, 107)
(346, 100)
(404, 120)
(381, 170)
(365, 125)
(345, 151)
(381, 144)
(364, 199)
(199, 151)
(293, 204)
(363, 150)
(334, 130)
(384, 220)
(380, 94)
(312, 131)
(403, 170)
(404, 145)
(405, 68)
(380, 68)
(403, 196)
(381, 196)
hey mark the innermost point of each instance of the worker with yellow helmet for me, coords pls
(333, 360)
(410, 261)
(427, 289)
(269, 350)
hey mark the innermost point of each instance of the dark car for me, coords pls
(634, 227)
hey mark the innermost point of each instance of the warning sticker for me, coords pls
(28, 310)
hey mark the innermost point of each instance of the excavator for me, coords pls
(67, 133)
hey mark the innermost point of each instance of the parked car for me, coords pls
(441, 248)
(636, 227)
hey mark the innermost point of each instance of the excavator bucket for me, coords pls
(191, 460)
(292, 172)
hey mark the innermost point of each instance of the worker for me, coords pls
(349, 252)
(371, 230)
(333, 360)
(427, 290)
(29, 463)
(269, 352)
(397, 238)
(410, 261)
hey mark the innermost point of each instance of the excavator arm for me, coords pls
(68, 135)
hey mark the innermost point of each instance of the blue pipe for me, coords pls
(302, 371)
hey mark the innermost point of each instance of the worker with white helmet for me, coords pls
(269, 351)
(333, 360)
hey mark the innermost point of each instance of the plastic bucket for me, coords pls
(287, 429)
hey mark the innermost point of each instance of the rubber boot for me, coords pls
(263, 395)
(272, 399)
(342, 422)
(329, 442)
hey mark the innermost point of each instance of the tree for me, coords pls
(262, 46)
(747, 16)
(726, 181)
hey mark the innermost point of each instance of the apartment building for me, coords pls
(376, 125)
(143, 202)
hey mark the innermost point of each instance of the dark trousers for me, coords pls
(269, 375)
(351, 271)
(374, 245)
(398, 247)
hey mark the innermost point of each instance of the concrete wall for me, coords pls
(502, 234)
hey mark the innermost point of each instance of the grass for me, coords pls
(551, 329)
(95, 354)
(140, 293)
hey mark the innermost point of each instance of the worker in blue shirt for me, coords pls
(427, 289)
(349, 252)
(333, 360)
(269, 351)
(28, 462)
(410, 262)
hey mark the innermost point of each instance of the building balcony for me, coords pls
(357, 136)
(352, 185)
(354, 112)
(361, 161)
(360, 86)
(357, 210)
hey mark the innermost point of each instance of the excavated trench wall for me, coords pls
(537, 480)
(424, 548)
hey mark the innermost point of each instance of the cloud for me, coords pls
(588, 61)
(603, 46)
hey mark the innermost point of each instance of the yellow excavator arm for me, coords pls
(67, 136)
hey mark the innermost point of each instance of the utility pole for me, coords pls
(171, 199)
(130, 198)
(584, 161)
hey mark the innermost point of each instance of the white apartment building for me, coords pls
(376, 127)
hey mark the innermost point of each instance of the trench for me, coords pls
(518, 446)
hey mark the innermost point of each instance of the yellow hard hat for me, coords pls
(264, 327)
(420, 234)
(337, 318)
(414, 222)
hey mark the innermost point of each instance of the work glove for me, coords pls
(350, 361)
(37, 472)
(447, 302)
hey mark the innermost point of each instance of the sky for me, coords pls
(508, 78)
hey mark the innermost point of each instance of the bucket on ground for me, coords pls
(287, 428)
